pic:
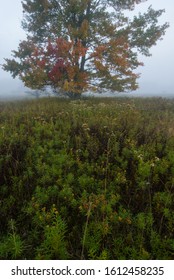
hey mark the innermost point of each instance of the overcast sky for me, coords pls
(157, 75)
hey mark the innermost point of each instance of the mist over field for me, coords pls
(14, 90)
(11, 89)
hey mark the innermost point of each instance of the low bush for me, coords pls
(87, 179)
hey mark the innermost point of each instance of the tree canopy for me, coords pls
(75, 45)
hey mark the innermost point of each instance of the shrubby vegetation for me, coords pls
(87, 179)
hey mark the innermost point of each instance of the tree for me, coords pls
(75, 45)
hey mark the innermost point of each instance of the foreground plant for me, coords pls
(77, 186)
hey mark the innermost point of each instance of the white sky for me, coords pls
(157, 76)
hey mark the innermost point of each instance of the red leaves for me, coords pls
(56, 73)
(58, 63)
(41, 63)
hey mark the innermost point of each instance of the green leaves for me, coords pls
(76, 45)
(54, 244)
(87, 178)
(11, 246)
(145, 32)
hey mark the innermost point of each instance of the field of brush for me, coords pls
(87, 179)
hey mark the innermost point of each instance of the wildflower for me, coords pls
(84, 125)
(157, 159)
(128, 221)
(102, 104)
(140, 156)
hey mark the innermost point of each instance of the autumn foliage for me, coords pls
(57, 64)
(54, 64)
(76, 45)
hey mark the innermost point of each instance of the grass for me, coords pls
(87, 179)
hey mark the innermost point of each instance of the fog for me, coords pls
(156, 75)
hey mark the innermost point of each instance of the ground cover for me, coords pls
(87, 179)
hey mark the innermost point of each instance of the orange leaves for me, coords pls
(100, 66)
(111, 56)
(115, 53)
(57, 64)
(41, 63)
(114, 63)
(99, 51)
(99, 47)
(81, 32)
(84, 29)
(78, 49)
(46, 4)
(61, 65)
(66, 50)
(76, 84)
(98, 58)
(67, 55)
(58, 48)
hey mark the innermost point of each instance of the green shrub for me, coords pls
(87, 179)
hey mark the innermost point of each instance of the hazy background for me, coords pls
(157, 75)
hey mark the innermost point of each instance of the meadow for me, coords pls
(87, 179)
